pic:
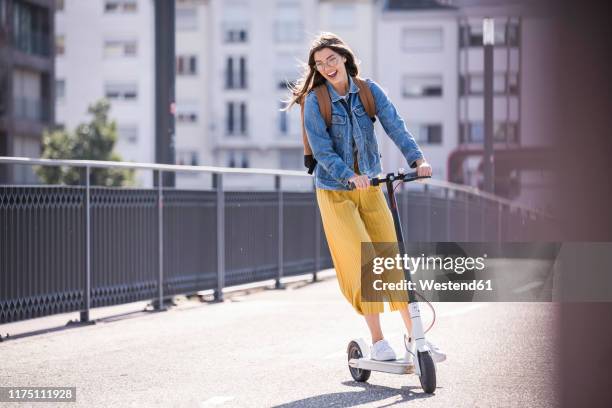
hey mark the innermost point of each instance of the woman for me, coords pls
(347, 153)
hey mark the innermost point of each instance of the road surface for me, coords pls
(283, 348)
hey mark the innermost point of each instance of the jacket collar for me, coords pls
(334, 95)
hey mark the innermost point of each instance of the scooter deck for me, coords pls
(390, 366)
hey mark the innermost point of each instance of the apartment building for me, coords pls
(522, 91)
(355, 22)
(192, 89)
(417, 67)
(26, 82)
(256, 48)
(105, 48)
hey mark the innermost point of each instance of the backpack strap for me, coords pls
(307, 149)
(366, 97)
(324, 101)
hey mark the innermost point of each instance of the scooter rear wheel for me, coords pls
(354, 351)
(428, 372)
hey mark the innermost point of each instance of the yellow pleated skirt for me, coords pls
(351, 218)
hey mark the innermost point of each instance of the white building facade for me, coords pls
(105, 48)
(193, 76)
(417, 67)
(256, 48)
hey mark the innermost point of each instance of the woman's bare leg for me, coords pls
(373, 321)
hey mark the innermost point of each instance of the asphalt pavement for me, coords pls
(281, 348)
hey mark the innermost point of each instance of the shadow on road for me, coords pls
(368, 393)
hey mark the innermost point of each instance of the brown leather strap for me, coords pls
(324, 101)
(307, 149)
(366, 97)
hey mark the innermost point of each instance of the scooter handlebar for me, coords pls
(399, 176)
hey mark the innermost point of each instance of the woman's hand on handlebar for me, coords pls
(423, 168)
(360, 182)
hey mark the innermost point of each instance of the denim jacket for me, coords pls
(333, 147)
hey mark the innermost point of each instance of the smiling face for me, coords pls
(331, 66)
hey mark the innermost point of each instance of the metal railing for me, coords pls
(71, 248)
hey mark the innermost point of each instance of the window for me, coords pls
(30, 27)
(288, 26)
(284, 80)
(513, 37)
(120, 6)
(427, 133)
(288, 32)
(27, 100)
(422, 86)
(3, 14)
(120, 48)
(128, 133)
(507, 33)
(422, 39)
(186, 18)
(235, 33)
(186, 65)
(235, 73)
(187, 158)
(289, 122)
(127, 91)
(236, 120)
(343, 15)
(286, 70)
(503, 83)
(503, 132)
(235, 11)
(283, 120)
(237, 159)
(187, 112)
(60, 46)
(60, 90)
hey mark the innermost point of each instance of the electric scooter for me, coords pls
(359, 361)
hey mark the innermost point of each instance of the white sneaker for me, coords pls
(437, 354)
(382, 351)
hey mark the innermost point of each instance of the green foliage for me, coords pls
(90, 141)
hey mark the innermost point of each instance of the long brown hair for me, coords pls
(311, 78)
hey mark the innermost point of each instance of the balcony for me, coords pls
(33, 42)
(31, 109)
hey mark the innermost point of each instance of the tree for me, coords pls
(90, 141)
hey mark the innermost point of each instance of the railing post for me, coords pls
(500, 209)
(428, 210)
(467, 217)
(218, 185)
(403, 202)
(87, 289)
(481, 202)
(160, 239)
(317, 237)
(279, 190)
(448, 223)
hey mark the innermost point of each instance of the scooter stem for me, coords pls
(418, 333)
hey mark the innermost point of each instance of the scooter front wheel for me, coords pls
(428, 372)
(354, 351)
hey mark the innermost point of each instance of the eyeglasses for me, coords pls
(331, 62)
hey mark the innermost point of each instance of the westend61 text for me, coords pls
(433, 285)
